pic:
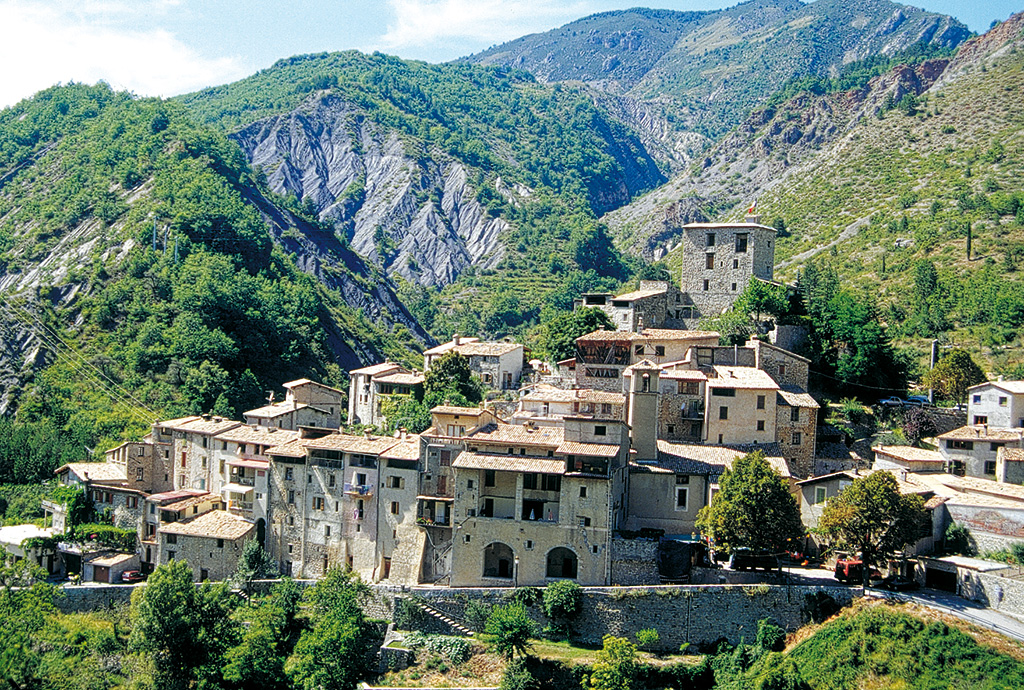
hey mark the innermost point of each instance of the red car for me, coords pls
(130, 576)
(852, 570)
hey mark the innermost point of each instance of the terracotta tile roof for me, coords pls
(1013, 454)
(684, 458)
(111, 560)
(683, 375)
(517, 434)
(934, 502)
(95, 471)
(1008, 386)
(372, 445)
(772, 346)
(175, 495)
(545, 393)
(244, 462)
(200, 425)
(190, 502)
(399, 378)
(306, 382)
(486, 349)
(980, 432)
(216, 524)
(264, 436)
(974, 485)
(728, 226)
(451, 409)
(276, 409)
(508, 463)
(407, 449)
(675, 334)
(742, 377)
(602, 450)
(640, 294)
(445, 347)
(796, 397)
(375, 369)
(910, 454)
(291, 449)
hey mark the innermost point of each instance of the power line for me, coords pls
(860, 385)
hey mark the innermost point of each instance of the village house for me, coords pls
(973, 450)
(998, 404)
(654, 304)
(602, 356)
(210, 542)
(190, 444)
(499, 365)
(546, 405)
(167, 507)
(14, 549)
(306, 403)
(368, 387)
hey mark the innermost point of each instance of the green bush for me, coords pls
(563, 603)
(517, 676)
(454, 649)
(512, 629)
(647, 638)
(477, 613)
(958, 540)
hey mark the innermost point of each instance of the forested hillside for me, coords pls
(144, 275)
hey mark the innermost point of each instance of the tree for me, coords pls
(451, 373)
(616, 666)
(954, 374)
(517, 676)
(872, 516)
(917, 424)
(753, 508)
(254, 563)
(563, 603)
(558, 336)
(186, 629)
(331, 655)
(760, 298)
(512, 629)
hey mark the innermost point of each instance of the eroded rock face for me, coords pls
(411, 213)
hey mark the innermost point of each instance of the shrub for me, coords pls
(454, 649)
(563, 602)
(958, 540)
(477, 613)
(517, 676)
(512, 629)
(770, 637)
(647, 638)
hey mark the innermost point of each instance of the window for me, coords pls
(1002, 401)
(782, 370)
(330, 480)
(465, 539)
(469, 483)
(529, 545)
(682, 496)
(797, 437)
(682, 479)
(819, 494)
(724, 392)
(707, 285)
(990, 467)
(395, 508)
(975, 399)
(318, 503)
(139, 473)
(395, 482)
(327, 530)
(291, 548)
(584, 521)
(291, 520)
(980, 419)
(594, 548)
(734, 287)
(530, 481)
(794, 414)
(723, 412)
(735, 263)
(220, 543)
(741, 243)
(659, 350)
(288, 473)
(760, 425)
(600, 430)
(170, 555)
(710, 240)
(360, 478)
(488, 477)
(686, 313)
(638, 350)
(171, 538)
(760, 402)
(671, 428)
(309, 479)
(689, 387)
(709, 261)
(583, 492)
(291, 497)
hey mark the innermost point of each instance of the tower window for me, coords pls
(709, 261)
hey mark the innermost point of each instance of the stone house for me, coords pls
(681, 404)
(167, 507)
(719, 260)
(369, 385)
(243, 469)
(602, 356)
(741, 406)
(211, 542)
(998, 404)
(535, 504)
(973, 450)
(499, 365)
(796, 426)
(546, 405)
(654, 304)
(12, 548)
(667, 492)
(907, 459)
(108, 566)
(145, 468)
(112, 493)
(191, 444)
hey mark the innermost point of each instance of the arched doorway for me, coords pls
(261, 532)
(562, 563)
(498, 560)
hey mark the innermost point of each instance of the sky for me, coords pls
(169, 47)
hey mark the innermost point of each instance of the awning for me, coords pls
(443, 499)
(237, 488)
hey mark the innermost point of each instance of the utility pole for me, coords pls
(935, 356)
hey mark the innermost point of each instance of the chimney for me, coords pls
(367, 434)
(456, 339)
(640, 324)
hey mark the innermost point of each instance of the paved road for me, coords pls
(961, 608)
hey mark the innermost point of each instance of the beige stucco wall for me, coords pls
(741, 426)
(652, 502)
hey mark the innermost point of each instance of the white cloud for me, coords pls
(43, 43)
(427, 23)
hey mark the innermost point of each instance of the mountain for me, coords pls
(143, 262)
(422, 168)
(712, 68)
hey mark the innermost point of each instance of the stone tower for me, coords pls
(719, 260)
(643, 408)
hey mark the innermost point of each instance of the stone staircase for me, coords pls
(456, 627)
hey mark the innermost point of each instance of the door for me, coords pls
(387, 568)
(442, 485)
(101, 573)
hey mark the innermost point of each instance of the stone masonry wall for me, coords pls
(635, 562)
(993, 591)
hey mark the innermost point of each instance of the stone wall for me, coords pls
(635, 562)
(992, 529)
(993, 591)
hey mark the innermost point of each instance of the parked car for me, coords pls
(919, 401)
(747, 559)
(898, 583)
(130, 576)
(852, 570)
(891, 402)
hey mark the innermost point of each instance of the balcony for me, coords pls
(358, 489)
(244, 481)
